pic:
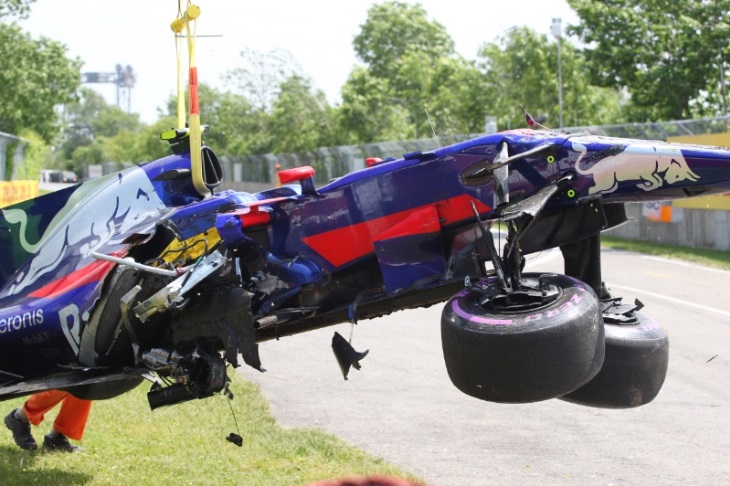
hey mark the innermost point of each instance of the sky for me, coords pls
(317, 33)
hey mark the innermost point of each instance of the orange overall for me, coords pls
(71, 420)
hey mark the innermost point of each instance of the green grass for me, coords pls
(128, 444)
(712, 258)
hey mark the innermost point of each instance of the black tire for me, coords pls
(105, 341)
(113, 343)
(633, 372)
(526, 355)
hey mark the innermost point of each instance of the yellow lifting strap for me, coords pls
(184, 21)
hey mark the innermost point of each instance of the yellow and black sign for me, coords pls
(12, 192)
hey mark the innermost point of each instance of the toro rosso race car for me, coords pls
(149, 273)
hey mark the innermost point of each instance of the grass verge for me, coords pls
(128, 444)
(712, 258)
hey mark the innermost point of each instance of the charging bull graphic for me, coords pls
(79, 228)
(640, 162)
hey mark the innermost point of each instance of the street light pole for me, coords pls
(558, 33)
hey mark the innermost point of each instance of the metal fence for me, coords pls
(658, 130)
(328, 162)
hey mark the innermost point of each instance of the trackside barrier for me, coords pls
(12, 192)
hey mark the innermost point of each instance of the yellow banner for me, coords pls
(719, 202)
(12, 192)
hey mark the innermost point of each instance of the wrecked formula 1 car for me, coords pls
(150, 273)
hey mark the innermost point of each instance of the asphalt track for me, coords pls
(401, 406)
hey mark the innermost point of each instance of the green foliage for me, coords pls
(668, 55)
(127, 444)
(274, 109)
(90, 118)
(98, 132)
(301, 119)
(92, 153)
(235, 126)
(9, 160)
(457, 99)
(410, 65)
(261, 74)
(642, 60)
(36, 76)
(413, 85)
(391, 31)
(147, 142)
(113, 120)
(15, 8)
(36, 156)
(521, 69)
(369, 112)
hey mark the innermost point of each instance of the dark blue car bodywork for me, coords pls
(402, 233)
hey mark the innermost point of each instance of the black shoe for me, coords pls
(21, 432)
(59, 442)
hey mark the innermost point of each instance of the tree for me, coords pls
(302, 120)
(258, 86)
(97, 132)
(670, 56)
(369, 112)
(259, 77)
(393, 29)
(148, 145)
(112, 120)
(521, 69)
(234, 125)
(36, 76)
(36, 156)
(92, 153)
(89, 120)
(401, 48)
(15, 8)
(454, 98)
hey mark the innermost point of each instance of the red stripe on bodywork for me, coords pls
(423, 220)
(344, 245)
(93, 272)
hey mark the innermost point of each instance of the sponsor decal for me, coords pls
(71, 324)
(42, 337)
(19, 321)
(554, 312)
(575, 299)
(646, 165)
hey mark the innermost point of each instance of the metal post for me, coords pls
(558, 33)
(722, 90)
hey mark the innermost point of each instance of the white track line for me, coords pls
(670, 299)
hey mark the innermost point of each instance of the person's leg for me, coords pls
(33, 411)
(38, 405)
(71, 420)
